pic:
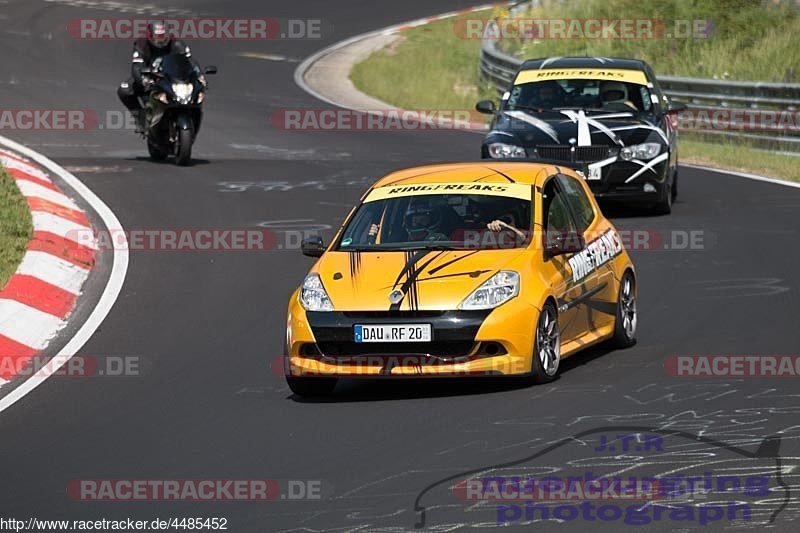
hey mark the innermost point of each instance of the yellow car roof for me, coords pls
(489, 172)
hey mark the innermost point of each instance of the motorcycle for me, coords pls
(174, 109)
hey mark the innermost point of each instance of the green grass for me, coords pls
(16, 226)
(431, 68)
(428, 68)
(749, 40)
(735, 156)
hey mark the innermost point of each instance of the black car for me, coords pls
(608, 116)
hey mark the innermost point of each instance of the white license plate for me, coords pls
(393, 333)
(595, 173)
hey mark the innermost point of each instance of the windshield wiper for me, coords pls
(431, 246)
(528, 108)
(390, 248)
(599, 110)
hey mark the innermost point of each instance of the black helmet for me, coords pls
(423, 217)
(158, 33)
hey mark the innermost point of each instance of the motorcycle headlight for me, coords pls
(495, 291)
(506, 151)
(640, 151)
(183, 91)
(313, 296)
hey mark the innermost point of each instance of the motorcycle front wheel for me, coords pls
(183, 154)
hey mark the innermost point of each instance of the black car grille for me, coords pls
(437, 348)
(582, 154)
(391, 314)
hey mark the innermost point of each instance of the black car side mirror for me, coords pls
(560, 243)
(313, 246)
(211, 69)
(676, 106)
(486, 107)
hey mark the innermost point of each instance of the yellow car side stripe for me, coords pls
(513, 190)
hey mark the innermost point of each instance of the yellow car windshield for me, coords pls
(439, 221)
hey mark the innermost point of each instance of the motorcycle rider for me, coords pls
(146, 50)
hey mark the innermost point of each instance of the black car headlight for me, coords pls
(640, 151)
(506, 151)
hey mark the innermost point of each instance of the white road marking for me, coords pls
(119, 268)
(755, 177)
(300, 71)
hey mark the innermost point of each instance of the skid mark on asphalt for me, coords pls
(123, 7)
(290, 153)
(656, 392)
(98, 169)
(267, 57)
(326, 184)
(306, 225)
(740, 287)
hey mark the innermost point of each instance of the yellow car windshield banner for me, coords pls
(512, 190)
(606, 74)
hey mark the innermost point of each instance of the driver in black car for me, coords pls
(549, 96)
(146, 50)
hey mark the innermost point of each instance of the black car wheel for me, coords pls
(664, 205)
(675, 186)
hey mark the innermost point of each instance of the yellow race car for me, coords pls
(468, 269)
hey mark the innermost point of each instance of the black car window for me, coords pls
(557, 216)
(571, 93)
(647, 104)
(578, 201)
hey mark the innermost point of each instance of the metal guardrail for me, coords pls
(764, 114)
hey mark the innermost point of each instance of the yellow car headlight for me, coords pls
(495, 291)
(313, 296)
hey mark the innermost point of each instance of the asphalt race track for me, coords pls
(208, 324)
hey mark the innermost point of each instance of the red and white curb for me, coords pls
(38, 299)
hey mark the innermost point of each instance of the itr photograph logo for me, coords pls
(617, 476)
